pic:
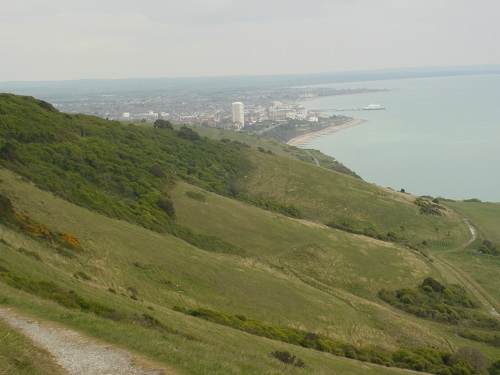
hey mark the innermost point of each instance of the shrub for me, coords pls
(288, 358)
(70, 240)
(494, 368)
(7, 213)
(445, 304)
(82, 275)
(163, 124)
(196, 196)
(474, 357)
(189, 134)
(30, 253)
(428, 208)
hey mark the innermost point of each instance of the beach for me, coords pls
(302, 140)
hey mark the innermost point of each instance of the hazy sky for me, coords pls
(73, 39)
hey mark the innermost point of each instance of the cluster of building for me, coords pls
(263, 107)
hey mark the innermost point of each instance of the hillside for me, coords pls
(198, 287)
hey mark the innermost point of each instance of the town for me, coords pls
(259, 109)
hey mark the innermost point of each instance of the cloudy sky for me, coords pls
(75, 39)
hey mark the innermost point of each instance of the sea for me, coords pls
(437, 136)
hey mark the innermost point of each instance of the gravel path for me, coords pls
(78, 354)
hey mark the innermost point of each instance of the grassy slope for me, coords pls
(485, 217)
(112, 248)
(295, 273)
(120, 255)
(323, 196)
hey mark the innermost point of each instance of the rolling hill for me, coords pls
(208, 255)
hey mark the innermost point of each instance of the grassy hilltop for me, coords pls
(214, 256)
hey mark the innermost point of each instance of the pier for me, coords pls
(355, 109)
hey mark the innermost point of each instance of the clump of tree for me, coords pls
(488, 248)
(163, 124)
(445, 304)
(466, 361)
(188, 133)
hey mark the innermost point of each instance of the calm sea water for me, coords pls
(437, 136)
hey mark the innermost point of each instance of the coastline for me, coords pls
(303, 139)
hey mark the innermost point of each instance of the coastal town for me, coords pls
(276, 112)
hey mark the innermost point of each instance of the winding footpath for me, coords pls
(483, 296)
(77, 353)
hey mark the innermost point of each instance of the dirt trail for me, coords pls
(464, 277)
(78, 354)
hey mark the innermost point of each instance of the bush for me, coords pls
(288, 358)
(163, 124)
(428, 208)
(30, 253)
(445, 304)
(7, 213)
(196, 196)
(494, 368)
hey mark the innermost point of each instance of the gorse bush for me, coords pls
(40, 231)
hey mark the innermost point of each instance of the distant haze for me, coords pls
(66, 40)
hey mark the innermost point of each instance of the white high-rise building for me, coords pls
(238, 114)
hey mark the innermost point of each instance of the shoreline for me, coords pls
(303, 139)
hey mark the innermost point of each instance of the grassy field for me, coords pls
(240, 231)
(294, 273)
(164, 272)
(485, 217)
(324, 196)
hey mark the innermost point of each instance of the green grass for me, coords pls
(483, 268)
(165, 271)
(324, 196)
(219, 253)
(486, 216)
(19, 355)
(307, 250)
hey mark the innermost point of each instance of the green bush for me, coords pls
(288, 358)
(7, 213)
(445, 304)
(429, 208)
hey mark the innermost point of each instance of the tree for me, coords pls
(163, 124)
(187, 133)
